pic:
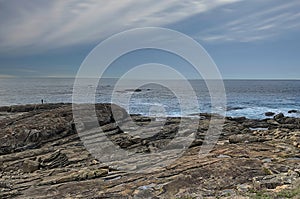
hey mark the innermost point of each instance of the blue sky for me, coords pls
(257, 39)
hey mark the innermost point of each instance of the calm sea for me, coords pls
(250, 98)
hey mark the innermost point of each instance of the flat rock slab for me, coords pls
(43, 156)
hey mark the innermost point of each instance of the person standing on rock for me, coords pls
(42, 101)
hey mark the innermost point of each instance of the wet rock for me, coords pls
(293, 111)
(237, 119)
(269, 114)
(133, 90)
(230, 108)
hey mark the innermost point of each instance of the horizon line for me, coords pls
(73, 77)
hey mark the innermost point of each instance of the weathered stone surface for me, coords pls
(275, 180)
(279, 116)
(30, 166)
(43, 156)
(243, 139)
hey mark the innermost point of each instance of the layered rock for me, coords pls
(42, 154)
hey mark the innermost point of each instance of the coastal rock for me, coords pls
(273, 181)
(57, 159)
(5, 109)
(133, 90)
(84, 174)
(30, 166)
(293, 111)
(269, 114)
(32, 129)
(33, 107)
(233, 139)
(273, 122)
(42, 155)
(278, 116)
(237, 119)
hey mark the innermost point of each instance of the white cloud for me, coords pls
(261, 24)
(33, 26)
(38, 25)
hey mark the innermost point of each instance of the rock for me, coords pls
(34, 107)
(267, 160)
(42, 154)
(278, 116)
(290, 120)
(230, 108)
(237, 119)
(81, 175)
(33, 129)
(5, 109)
(223, 156)
(244, 187)
(269, 114)
(272, 122)
(293, 111)
(233, 139)
(57, 159)
(30, 166)
(146, 191)
(272, 181)
(134, 90)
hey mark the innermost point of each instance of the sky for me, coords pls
(247, 39)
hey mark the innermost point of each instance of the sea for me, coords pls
(249, 98)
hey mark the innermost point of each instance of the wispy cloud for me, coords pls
(39, 24)
(6, 76)
(262, 23)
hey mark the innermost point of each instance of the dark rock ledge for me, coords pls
(42, 156)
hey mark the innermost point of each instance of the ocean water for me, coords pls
(250, 98)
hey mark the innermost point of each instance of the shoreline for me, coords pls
(42, 154)
(38, 106)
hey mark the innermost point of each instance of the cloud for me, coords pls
(261, 23)
(6, 76)
(36, 25)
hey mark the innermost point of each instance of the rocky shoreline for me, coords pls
(42, 156)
